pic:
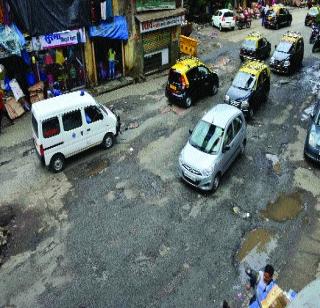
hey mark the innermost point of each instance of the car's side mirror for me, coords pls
(190, 131)
(226, 148)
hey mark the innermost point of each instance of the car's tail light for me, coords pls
(223, 19)
(234, 17)
(41, 150)
(182, 82)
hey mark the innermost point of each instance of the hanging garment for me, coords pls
(109, 11)
(16, 90)
(103, 6)
(59, 57)
(2, 12)
(48, 59)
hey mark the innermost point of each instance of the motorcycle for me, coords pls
(316, 45)
(315, 31)
(243, 21)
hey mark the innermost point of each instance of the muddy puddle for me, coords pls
(286, 207)
(257, 245)
(256, 240)
(96, 167)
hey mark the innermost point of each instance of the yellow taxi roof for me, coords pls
(253, 67)
(182, 66)
(277, 7)
(291, 36)
(254, 36)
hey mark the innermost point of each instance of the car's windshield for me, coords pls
(284, 47)
(244, 81)
(271, 13)
(206, 137)
(249, 44)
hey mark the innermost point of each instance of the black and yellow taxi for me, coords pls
(255, 46)
(289, 53)
(250, 87)
(277, 16)
(188, 80)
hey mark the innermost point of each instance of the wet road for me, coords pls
(119, 228)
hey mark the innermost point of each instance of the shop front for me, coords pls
(159, 38)
(57, 59)
(107, 44)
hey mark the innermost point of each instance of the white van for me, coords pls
(69, 124)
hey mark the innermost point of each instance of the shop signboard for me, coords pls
(152, 25)
(147, 5)
(59, 39)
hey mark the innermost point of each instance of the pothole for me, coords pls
(286, 207)
(96, 167)
(254, 252)
(255, 242)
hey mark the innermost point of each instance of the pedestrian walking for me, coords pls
(261, 282)
(4, 112)
(112, 63)
(263, 16)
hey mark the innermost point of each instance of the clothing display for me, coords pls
(16, 90)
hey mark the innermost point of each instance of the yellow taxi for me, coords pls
(255, 46)
(190, 79)
(250, 87)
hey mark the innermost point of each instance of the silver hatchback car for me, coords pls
(213, 145)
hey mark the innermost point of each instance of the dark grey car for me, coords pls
(312, 143)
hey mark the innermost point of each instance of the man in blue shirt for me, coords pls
(262, 282)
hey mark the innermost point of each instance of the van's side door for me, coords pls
(73, 132)
(52, 136)
(96, 125)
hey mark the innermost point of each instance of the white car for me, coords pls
(224, 19)
(213, 145)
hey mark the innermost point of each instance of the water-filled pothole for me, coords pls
(286, 207)
(256, 240)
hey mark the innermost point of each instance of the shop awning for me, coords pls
(160, 14)
(118, 29)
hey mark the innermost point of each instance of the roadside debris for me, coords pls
(238, 211)
(133, 125)
(275, 163)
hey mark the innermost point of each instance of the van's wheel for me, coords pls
(220, 27)
(214, 88)
(188, 102)
(57, 163)
(277, 26)
(216, 182)
(108, 141)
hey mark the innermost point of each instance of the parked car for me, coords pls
(278, 16)
(311, 15)
(312, 143)
(255, 46)
(218, 138)
(69, 124)
(224, 19)
(250, 87)
(289, 53)
(190, 79)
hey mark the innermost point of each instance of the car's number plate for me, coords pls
(172, 87)
(190, 175)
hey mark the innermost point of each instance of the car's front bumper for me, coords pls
(312, 153)
(198, 181)
(280, 68)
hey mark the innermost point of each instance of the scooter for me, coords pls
(315, 30)
(243, 22)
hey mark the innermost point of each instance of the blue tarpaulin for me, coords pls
(118, 29)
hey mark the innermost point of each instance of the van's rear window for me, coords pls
(174, 76)
(35, 125)
(228, 14)
(50, 127)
